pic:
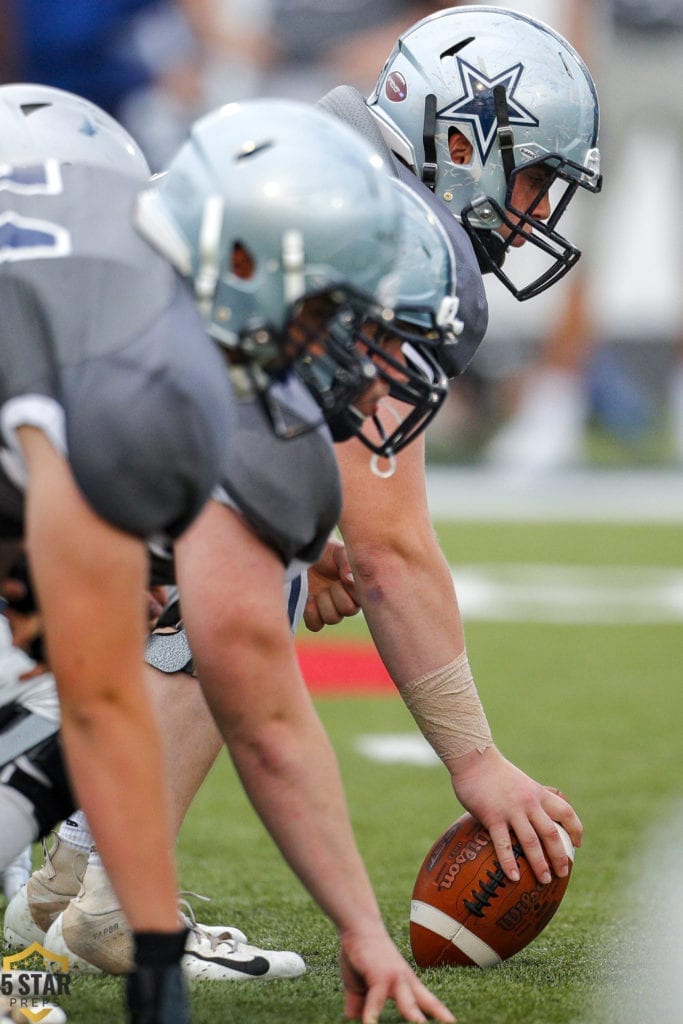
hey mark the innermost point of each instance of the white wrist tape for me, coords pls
(446, 706)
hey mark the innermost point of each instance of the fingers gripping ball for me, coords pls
(465, 911)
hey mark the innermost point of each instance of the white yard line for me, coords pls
(620, 496)
(576, 594)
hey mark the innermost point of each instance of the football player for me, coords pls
(279, 268)
(492, 118)
(85, 336)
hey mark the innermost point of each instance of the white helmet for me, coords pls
(425, 321)
(38, 122)
(267, 204)
(521, 96)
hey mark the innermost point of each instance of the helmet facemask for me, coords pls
(557, 174)
(314, 341)
(562, 180)
(410, 374)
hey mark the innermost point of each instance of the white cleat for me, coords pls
(220, 958)
(94, 934)
(92, 931)
(47, 893)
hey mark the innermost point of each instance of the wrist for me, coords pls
(447, 708)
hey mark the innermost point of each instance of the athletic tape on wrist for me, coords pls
(446, 706)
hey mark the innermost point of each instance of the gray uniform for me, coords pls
(102, 347)
(289, 494)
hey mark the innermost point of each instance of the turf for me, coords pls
(595, 710)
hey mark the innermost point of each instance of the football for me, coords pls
(465, 911)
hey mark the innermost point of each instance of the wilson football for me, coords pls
(465, 911)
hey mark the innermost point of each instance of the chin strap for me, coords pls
(429, 142)
(208, 244)
(506, 139)
(489, 248)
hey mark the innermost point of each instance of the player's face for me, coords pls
(307, 327)
(310, 330)
(367, 403)
(529, 194)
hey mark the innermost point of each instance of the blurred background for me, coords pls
(588, 375)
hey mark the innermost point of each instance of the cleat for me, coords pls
(157, 995)
(220, 958)
(92, 931)
(94, 934)
(47, 893)
(190, 921)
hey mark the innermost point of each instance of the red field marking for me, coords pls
(343, 668)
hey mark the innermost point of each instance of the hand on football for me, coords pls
(506, 800)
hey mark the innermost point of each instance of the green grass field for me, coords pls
(596, 710)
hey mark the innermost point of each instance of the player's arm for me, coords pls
(231, 591)
(90, 579)
(404, 585)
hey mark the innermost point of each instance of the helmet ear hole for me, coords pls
(460, 148)
(242, 264)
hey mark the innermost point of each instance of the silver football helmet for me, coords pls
(38, 123)
(425, 323)
(268, 204)
(522, 97)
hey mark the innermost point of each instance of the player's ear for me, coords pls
(242, 262)
(459, 148)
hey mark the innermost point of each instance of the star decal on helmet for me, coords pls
(477, 106)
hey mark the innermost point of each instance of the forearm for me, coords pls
(410, 606)
(246, 663)
(287, 766)
(89, 581)
(402, 579)
(291, 777)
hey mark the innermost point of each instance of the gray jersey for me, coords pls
(287, 491)
(104, 350)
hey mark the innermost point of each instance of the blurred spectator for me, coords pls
(319, 43)
(624, 287)
(156, 64)
(138, 59)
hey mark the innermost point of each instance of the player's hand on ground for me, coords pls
(331, 590)
(503, 798)
(374, 973)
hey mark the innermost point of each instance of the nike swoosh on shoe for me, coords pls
(255, 967)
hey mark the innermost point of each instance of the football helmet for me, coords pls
(38, 123)
(521, 97)
(425, 324)
(270, 207)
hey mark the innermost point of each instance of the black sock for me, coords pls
(159, 949)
